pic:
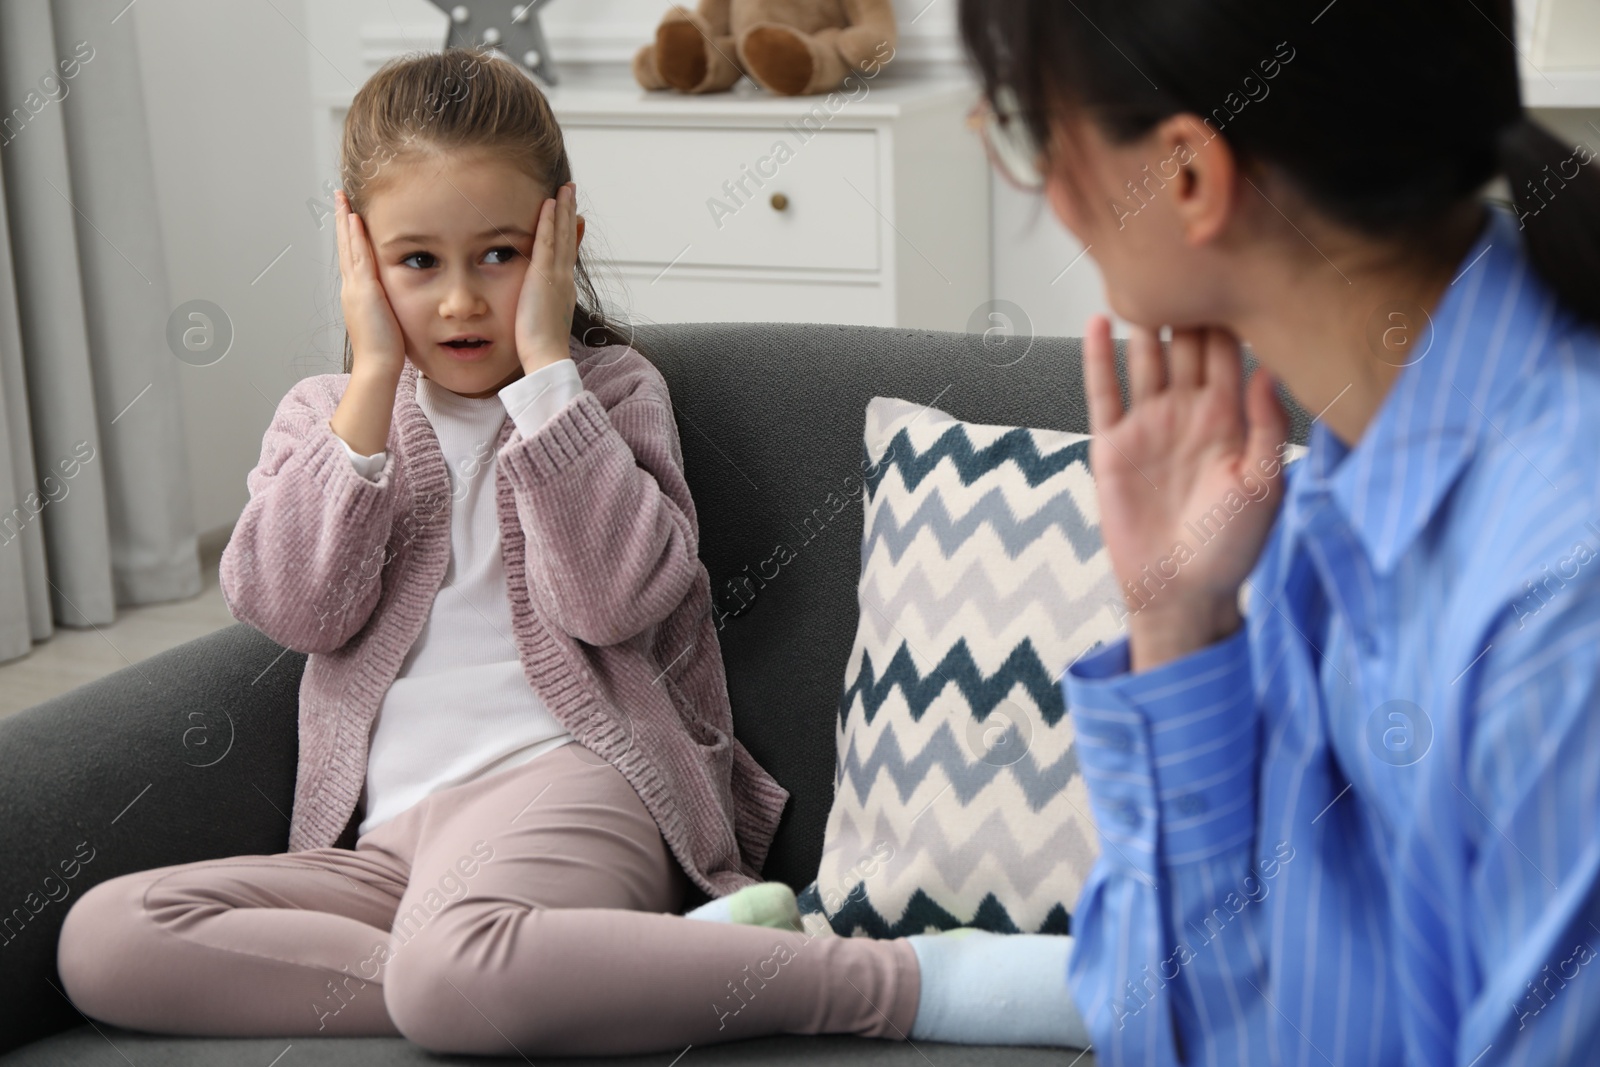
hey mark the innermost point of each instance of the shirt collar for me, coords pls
(1491, 330)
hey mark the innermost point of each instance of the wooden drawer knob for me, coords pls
(780, 202)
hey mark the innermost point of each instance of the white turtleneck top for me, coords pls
(461, 706)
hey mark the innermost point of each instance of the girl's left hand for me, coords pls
(549, 290)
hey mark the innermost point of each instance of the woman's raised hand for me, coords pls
(1188, 487)
(376, 343)
(549, 292)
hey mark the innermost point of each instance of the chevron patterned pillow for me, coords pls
(957, 798)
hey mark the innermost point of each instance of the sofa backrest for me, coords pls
(771, 420)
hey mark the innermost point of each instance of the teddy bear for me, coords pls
(789, 47)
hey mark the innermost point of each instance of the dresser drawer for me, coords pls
(672, 195)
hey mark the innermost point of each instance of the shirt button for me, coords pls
(1368, 643)
(1128, 815)
(1119, 739)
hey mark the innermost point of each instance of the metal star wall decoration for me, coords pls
(517, 35)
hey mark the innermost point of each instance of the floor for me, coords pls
(72, 657)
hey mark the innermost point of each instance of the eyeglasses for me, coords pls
(1006, 140)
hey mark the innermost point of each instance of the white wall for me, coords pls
(227, 95)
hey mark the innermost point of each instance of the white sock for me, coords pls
(983, 988)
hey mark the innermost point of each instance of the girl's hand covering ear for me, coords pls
(549, 290)
(376, 342)
(1188, 486)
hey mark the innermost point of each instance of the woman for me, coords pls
(1356, 823)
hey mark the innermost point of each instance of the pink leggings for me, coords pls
(531, 911)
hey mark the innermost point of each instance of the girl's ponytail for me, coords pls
(1556, 193)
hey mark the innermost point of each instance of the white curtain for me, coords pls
(94, 484)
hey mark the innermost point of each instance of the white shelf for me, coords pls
(1561, 88)
(864, 101)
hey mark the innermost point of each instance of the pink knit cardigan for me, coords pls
(611, 607)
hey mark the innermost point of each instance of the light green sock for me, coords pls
(764, 904)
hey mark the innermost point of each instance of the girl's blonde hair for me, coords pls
(460, 99)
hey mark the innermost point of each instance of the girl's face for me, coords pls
(452, 235)
(1134, 207)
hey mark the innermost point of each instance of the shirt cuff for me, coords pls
(369, 467)
(1169, 752)
(534, 399)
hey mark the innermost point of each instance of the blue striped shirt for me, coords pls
(1363, 828)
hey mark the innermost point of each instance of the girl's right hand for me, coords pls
(375, 339)
(1164, 471)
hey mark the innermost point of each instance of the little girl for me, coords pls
(514, 697)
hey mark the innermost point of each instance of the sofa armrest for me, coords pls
(187, 755)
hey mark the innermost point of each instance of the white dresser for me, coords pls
(748, 207)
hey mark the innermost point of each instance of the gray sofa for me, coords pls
(191, 754)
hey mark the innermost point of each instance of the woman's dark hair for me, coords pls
(1385, 114)
(452, 100)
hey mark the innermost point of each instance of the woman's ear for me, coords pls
(1205, 189)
